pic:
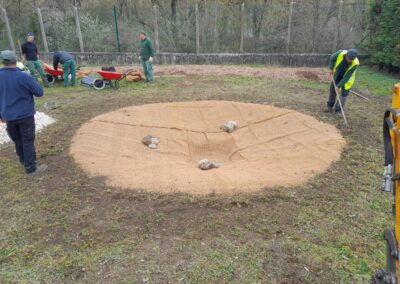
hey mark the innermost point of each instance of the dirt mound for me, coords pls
(317, 74)
(278, 73)
(270, 147)
(135, 76)
(309, 75)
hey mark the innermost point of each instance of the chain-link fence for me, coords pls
(225, 26)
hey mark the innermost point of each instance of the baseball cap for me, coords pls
(8, 56)
(31, 34)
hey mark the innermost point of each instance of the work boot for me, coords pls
(328, 109)
(39, 170)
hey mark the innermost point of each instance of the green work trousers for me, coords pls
(35, 67)
(148, 70)
(69, 67)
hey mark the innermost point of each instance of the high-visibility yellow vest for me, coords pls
(354, 63)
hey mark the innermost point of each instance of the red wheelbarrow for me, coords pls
(111, 78)
(53, 75)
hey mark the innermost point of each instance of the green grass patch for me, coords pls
(374, 82)
(30, 263)
(227, 262)
(67, 227)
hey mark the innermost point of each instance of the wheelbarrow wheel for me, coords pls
(99, 84)
(50, 79)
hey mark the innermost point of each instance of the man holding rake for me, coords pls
(343, 66)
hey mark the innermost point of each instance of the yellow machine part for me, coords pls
(391, 183)
(396, 149)
(396, 96)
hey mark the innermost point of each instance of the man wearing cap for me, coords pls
(31, 56)
(17, 110)
(146, 56)
(68, 64)
(343, 66)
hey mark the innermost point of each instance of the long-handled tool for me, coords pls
(359, 95)
(20, 52)
(340, 103)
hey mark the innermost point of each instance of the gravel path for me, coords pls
(42, 120)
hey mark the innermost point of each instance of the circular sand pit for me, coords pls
(270, 147)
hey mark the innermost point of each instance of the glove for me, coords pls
(151, 59)
(140, 58)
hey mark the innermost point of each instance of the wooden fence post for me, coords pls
(289, 30)
(197, 29)
(46, 48)
(215, 46)
(78, 29)
(338, 25)
(156, 35)
(10, 37)
(242, 27)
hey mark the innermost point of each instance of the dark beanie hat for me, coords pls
(352, 53)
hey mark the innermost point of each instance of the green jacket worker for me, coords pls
(17, 110)
(343, 66)
(68, 64)
(146, 56)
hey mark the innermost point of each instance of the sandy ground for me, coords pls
(271, 147)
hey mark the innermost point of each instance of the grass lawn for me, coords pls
(67, 227)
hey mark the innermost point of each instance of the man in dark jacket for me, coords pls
(343, 66)
(146, 56)
(31, 56)
(68, 64)
(17, 109)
